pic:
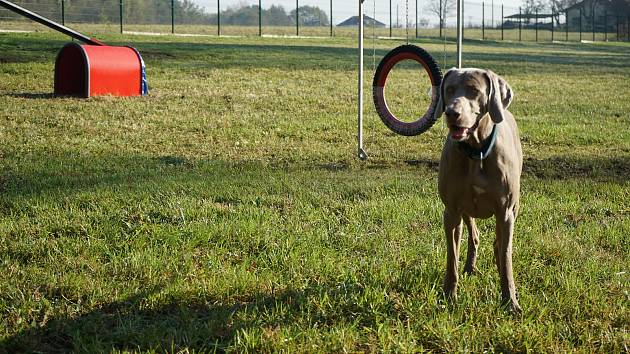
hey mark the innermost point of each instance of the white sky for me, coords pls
(346, 8)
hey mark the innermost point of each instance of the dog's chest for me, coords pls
(476, 197)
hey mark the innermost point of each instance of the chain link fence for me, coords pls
(487, 20)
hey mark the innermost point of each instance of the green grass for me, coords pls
(227, 211)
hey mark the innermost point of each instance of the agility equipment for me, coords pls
(380, 79)
(406, 52)
(89, 70)
(94, 68)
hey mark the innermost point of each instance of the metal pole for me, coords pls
(218, 17)
(605, 26)
(520, 21)
(492, 16)
(361, 153)
(536, 25)
(297, 17)
(502, 21)
(121, 16)
(63, 12)
(460, 25)
(628, 27)
(593, 22)
(416, 18)
(390, 18)
(483, 20)
(260, 18)
(566, 24)
(552, 17)
(580, 24)
(173, 16)
(331, 19)
(441, 15)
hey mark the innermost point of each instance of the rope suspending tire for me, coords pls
(392, 58)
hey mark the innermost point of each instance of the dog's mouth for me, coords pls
(458, 133)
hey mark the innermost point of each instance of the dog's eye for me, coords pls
(473, 90)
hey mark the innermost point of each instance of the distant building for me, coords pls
(367, 21)
(601, 12)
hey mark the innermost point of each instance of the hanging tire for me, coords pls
(392, 58)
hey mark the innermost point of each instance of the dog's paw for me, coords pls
(512, 307)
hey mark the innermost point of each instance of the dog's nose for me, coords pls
(451, 114)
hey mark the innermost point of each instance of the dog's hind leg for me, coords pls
(453, 231)
(473, 244)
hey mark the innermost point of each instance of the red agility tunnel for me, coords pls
(91, 70)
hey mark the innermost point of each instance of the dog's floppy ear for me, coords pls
(499, 96)
(441, 106)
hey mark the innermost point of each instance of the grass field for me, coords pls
(226, 211)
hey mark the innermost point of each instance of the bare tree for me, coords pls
(442, 9)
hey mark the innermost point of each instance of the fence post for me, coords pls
(416, 18)
(259, 18)
(536, 25)
(173, 16)
(605, 26)
(331, 18)
(390, 18)
(566, 24)
(552, 17)
(580, 24)
(502, 21)
(483, 20)
(297, 17)
(520, 21)
(121, 15)
(593, 23)
(440, 18)
(63, 12)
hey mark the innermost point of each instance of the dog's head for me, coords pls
(467, 95)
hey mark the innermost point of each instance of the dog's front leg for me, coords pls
(503, 252)
(453, 230)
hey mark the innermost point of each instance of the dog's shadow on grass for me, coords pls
(185, 321)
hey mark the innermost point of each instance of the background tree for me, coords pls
(442, 9)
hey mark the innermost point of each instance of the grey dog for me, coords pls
(480, 171)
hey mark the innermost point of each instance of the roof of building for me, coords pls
(367, 20)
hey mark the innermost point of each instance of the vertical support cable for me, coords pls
(361, 152)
